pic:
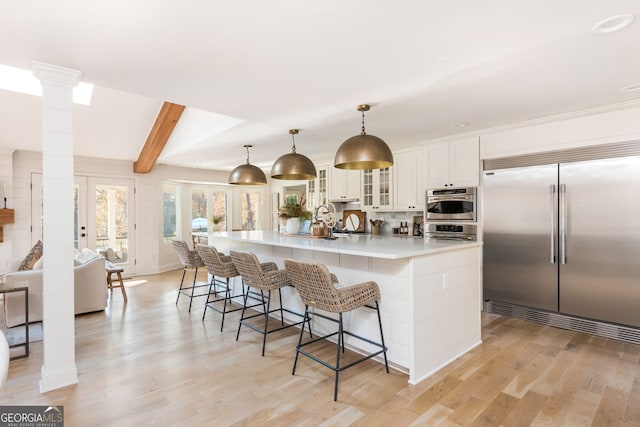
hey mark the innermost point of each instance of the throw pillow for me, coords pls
(38, 264)
(111, 255)
(34, 255)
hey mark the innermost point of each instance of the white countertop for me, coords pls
(389, 247)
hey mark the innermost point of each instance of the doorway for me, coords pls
(103, 217)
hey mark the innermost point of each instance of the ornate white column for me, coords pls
(59, 365)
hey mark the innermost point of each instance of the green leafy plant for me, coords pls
(294, 209)
(215, 219)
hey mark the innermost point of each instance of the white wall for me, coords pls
(6, 172)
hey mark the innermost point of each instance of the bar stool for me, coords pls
(190, 262)
(315, 284)
(220, 267)
(266, 278)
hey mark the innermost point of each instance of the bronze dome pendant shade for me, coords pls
(247, 174)
(293, 166)
(363, 151)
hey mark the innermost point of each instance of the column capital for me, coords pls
(56, 75)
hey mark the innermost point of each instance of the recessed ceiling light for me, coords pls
(460, 125)
(630, 88)
(612, 24)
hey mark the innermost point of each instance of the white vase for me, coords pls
(293, 226)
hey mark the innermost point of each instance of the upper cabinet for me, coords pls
(377, 189)
(409, 188)
(453, 164)
(317, 188)
(344, 185)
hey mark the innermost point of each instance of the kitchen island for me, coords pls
(430, 305)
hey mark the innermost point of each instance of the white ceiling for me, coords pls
(423, 65)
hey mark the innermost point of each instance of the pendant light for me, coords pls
(247, 174)
(363, 151)
(293, 165)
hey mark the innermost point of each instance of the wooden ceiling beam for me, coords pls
(160, 132)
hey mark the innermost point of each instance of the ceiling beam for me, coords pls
(160, 132)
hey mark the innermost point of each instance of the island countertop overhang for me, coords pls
(387, 247)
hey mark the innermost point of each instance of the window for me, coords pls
(169, 211)
(251, 207)
(199, 219)
(219, 210)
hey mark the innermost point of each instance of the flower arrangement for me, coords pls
(294, 209)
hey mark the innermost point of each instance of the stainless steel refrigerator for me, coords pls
(565, 238)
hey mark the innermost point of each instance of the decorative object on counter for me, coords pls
(376, 226)
(418, 225)
(293, 166)
(319, 229)
(247, 174)
(363, 151)
(354, 220)
(295, 214)
(327, 214)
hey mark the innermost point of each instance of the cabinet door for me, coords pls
(377, 189)
(367, 189)
(409, 189)
(437, 165)
(344, 184)
(352, 180)
(322, 184)
(464, 162)
(383, 187)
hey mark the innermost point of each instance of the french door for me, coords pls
(103, 217)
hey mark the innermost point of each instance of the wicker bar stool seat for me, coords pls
(264, 277)
(221, 269)
(317, 289)
(190, 262)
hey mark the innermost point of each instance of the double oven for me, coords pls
(451, 213)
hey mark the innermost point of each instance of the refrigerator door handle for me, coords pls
(563, 223)
(552, 193)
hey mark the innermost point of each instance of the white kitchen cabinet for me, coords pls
(344, 184)
(317, 188)
(409, 190)
(455, 163)
(377, 189)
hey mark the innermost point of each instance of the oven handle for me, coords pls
(446, 199)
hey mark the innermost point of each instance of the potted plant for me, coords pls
(294, 213)
(215, 220)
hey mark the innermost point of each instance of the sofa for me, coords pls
(90, 292)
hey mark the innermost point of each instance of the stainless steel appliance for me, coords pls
(449, 231)
(451, 204)
(565, 237)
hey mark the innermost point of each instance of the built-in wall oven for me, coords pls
(451, 204)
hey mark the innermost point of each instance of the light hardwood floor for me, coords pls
(149, 362)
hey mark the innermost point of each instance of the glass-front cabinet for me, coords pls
(317, 188)
(376, 189)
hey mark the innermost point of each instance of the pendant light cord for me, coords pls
(363, 131)
(293, 149)
(248, 148)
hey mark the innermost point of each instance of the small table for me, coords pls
(112, 268)
(20, 287)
